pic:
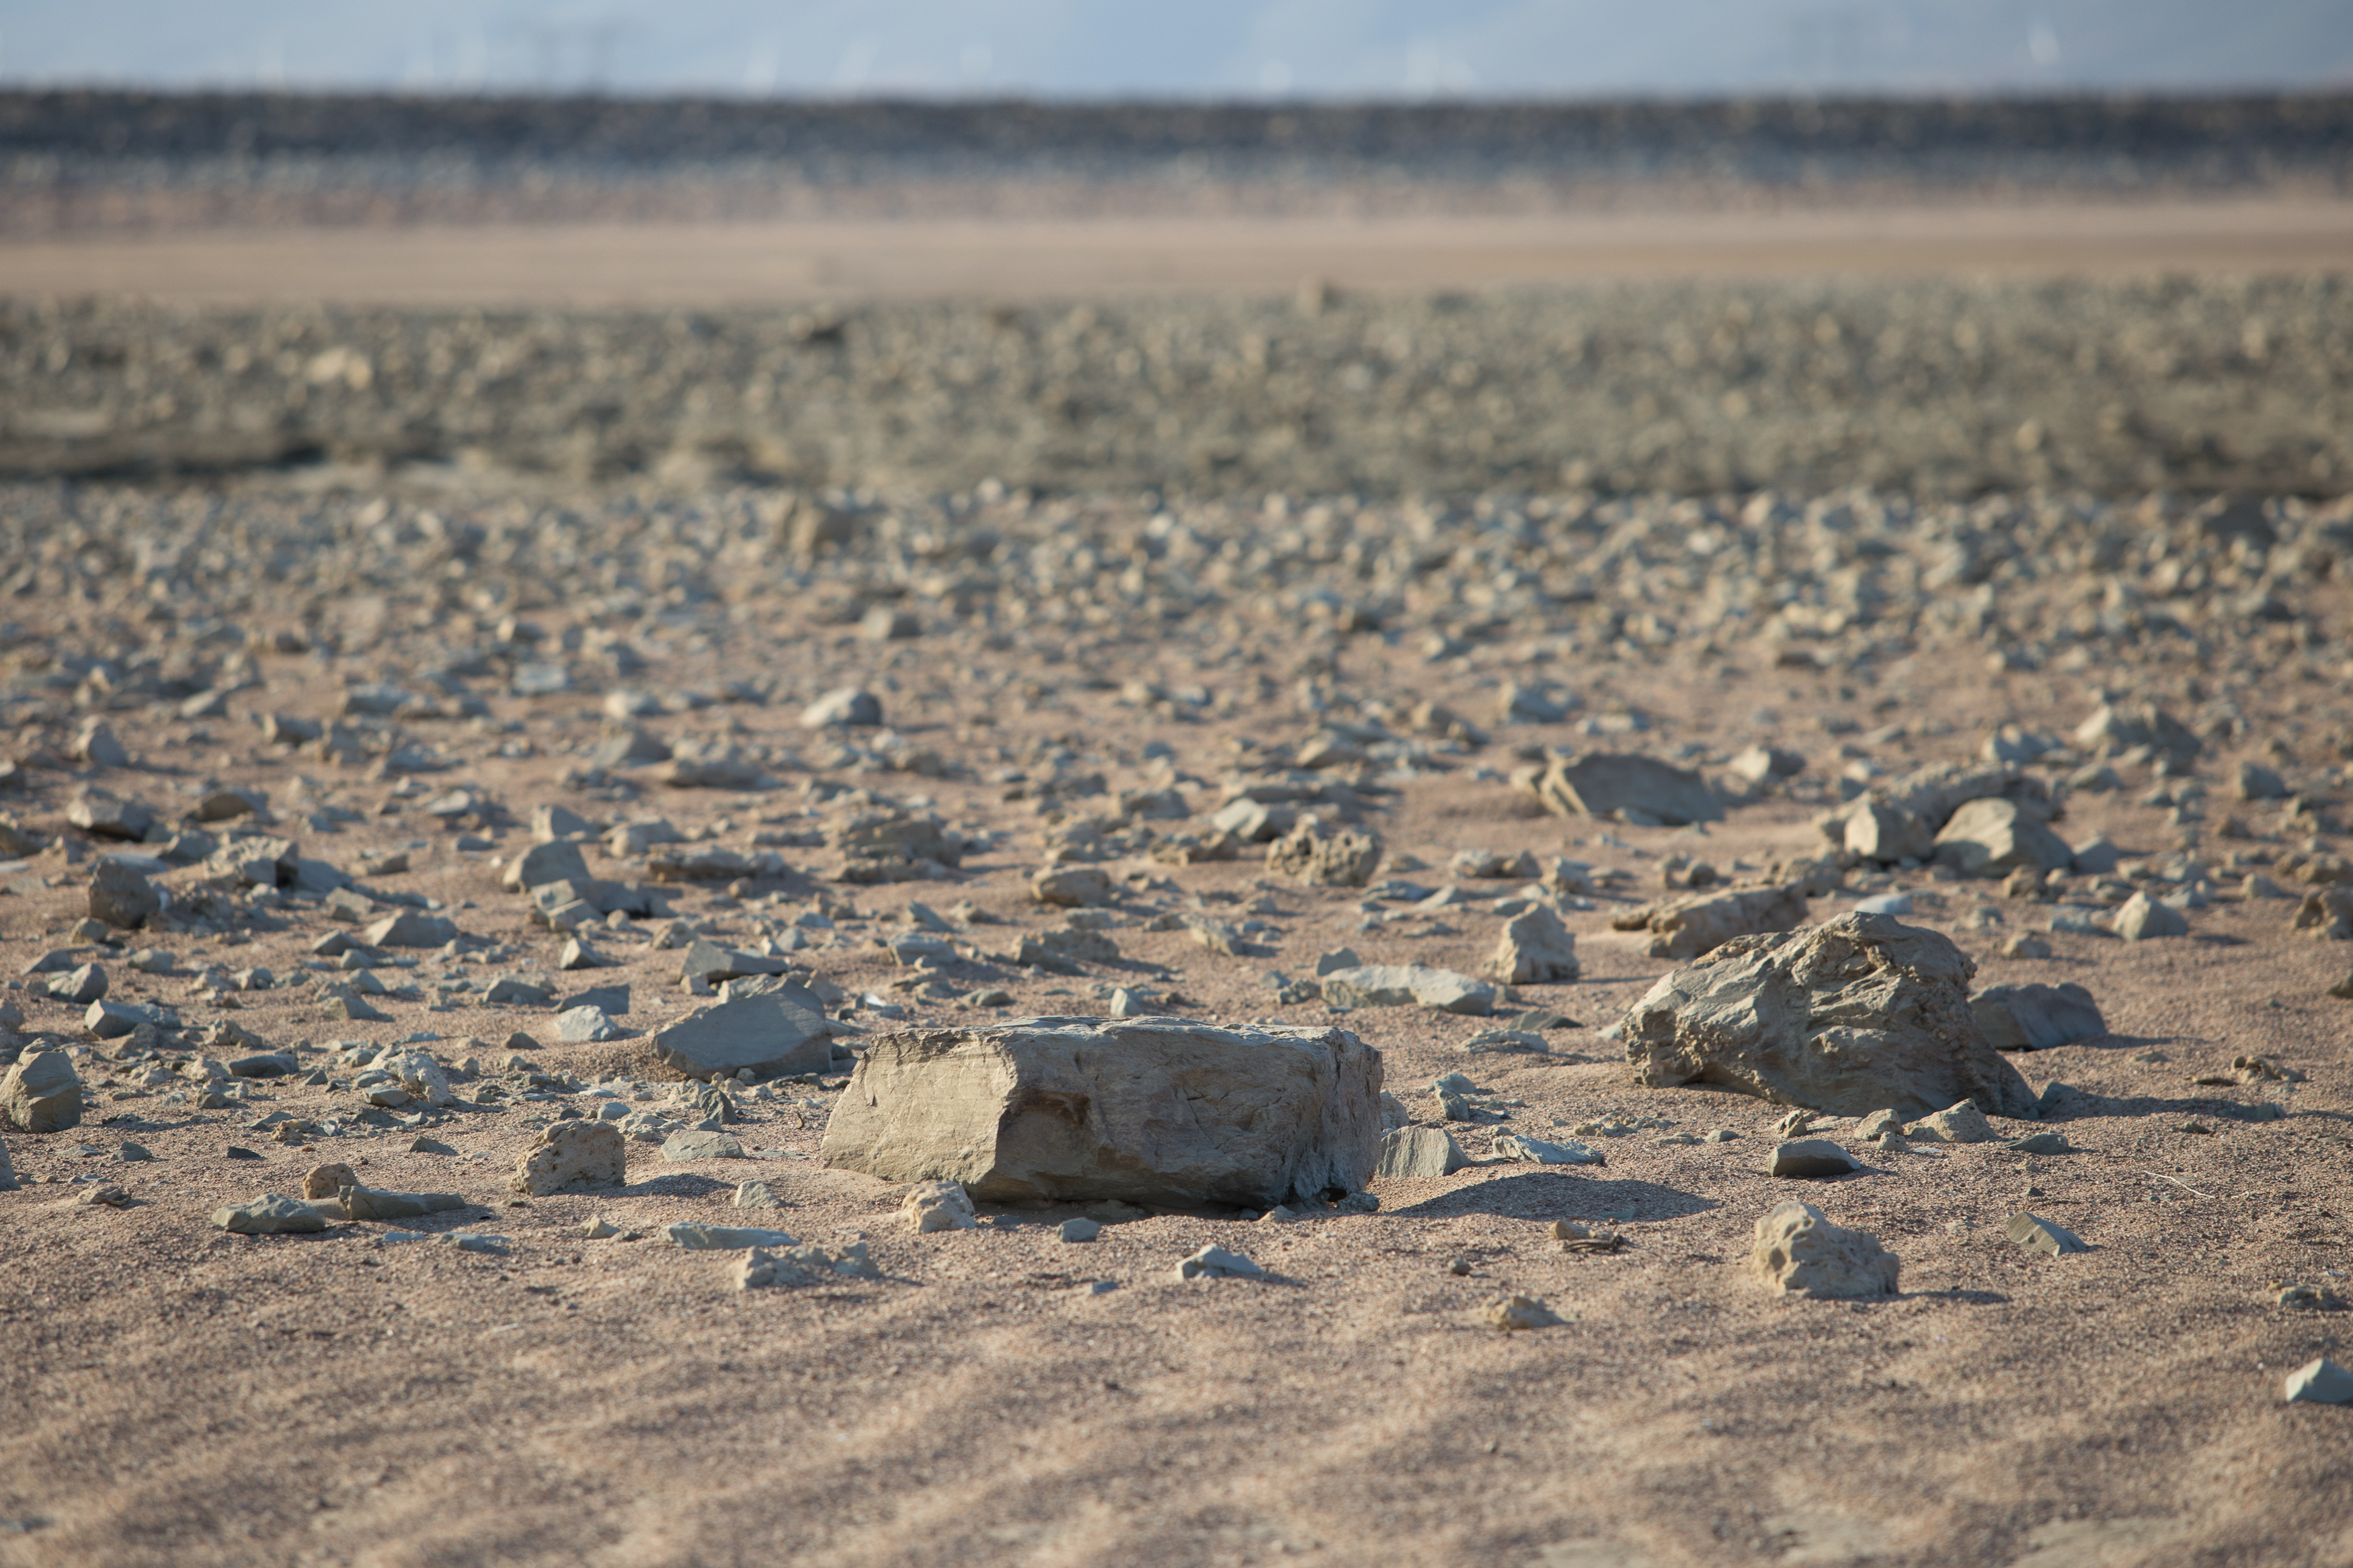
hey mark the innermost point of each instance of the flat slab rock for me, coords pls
(1156, 1111)
(2037, 1017)
(1861, 1014)
(775, 1034)
(1409, 985)
(1613, 783)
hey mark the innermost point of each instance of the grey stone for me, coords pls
(776, 1034)
(711, 963)
(1080, 1229)
(2321, 1382)
(351, 1201)
(1810, 1157)
(1535, 949)
(2036, 1017)
(699, 1144)
(112, 1020)
(848, 705)
(2042, 1143)
(760, 1269)
(554, 860)
(1408, 984)
(1959, 1123)
(931, 1206)
(1698, 923)
(1517, 1313)
(757, 1195)
(1420, 1153)
(1886, 834)
(1544, 1151)
(412, 928)
(1215, 1263)
(572, 1156)
(2142, 918)
(1606, 784)
(2034, 1234)
(1994, 838)
(2119, 728)
(586, 1026)
(41, 1093)
(103, 815)
(79, 986)
(1858, 1013)
(8, 1183)
(2254, 782)
(689, 1237)
(270, 1215)
(122, 897)
(1799, 1252)
(1074, 887)
(264, 1064)
(1150, 1111)
(1325, 856)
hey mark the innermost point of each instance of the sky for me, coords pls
(1302, 49)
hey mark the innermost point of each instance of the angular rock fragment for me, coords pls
(41, 1093)
(694, 1144)
(572, 1156)
(270, 1215)
(2142, 918)
(938, 1205)
(1409, 985)
(2318, 1381)
(777, 1034)
(1150, 1111)
(122, 897)
(1859, 1013)
(1886, 834)
(1217, 1263)
(2036, 1017)
(1809, 1158)
(1325, 856)
(1545, 1152)
(2032, 1233)
(412, 928)
(845, 705)
(80, 985)
(325, 1181)
(1993, 837)
(354, 1202)
(1517, 1313)
(587, 1026)
(691, 1238)
(553, 861)
(1074, 887)
(104, 816)
(760, 1269)
(1697, 923)
(1959, 1123)
(1535, 949)
(1633, 788)
(2121, 727)
(1420, 1153)
(1799, 1252)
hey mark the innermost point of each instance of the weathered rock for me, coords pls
(1959, 1123)
(845, 705)
(112, 1020)
(2115, 728)
(1535, 949)
(1925, 800)
(1544, 1151)
(1994, 838)
(1074, 887)
(691, 1238)
(912, 838)
(1696, 924)
(121, 896)
(1409, 985)
(2321, 1382)
(41, 1093)
(711, 963)
(97, 745)
(1517, 1313)
(1886, 834)
(103, 815)
(1150, 1111)
(270, 1215)
(1810, 1157)
(1217, 1263)
(2142, 918)
(1799, 1252)
(412, 928)
(757, 1196)
(701, 1144)
(2326, 913)
(8, 1183)
(2036, 1017)
(586, 1026)
(325, 1181)
(2032, 1233)
(938, 1205)
(760, 1269)
(1757, 764)
(80, 985)
(1861, 1013)
(355, 1202)
(1419, 1153)
(776, 1034)
(1325, 855)
(552, 860)
(572, 1156)
(1636, 788)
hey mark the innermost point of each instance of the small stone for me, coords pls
(42, 1093)
(2026, 944)
(757, 1195)
(270, 1215)
(327, 1180)
(1959, 1123)
(2043, 1143)
(1544, 1151)
(1419, 1153)
(237, 1153)
(681, 1148)
(1721, 1135)
(1325, 856)
(431, 1146)
(723, 1238)
(599, 1228)
(1535, 949)
(1576, 1236)
(1810, 1157)
(1080, 1229)
(2142, 918)
(1215, 1263)
(128, 1154)
(1799, 1252)
(938, 1205)
(2321, 1382)
(760, 1269)
(80, 987)
(845, 705)
(2307, 1299)
(412, 928)
(1074, 887)
(106, 1194)
(472, 1241)
(122, 897)
(1516, 1313)
(2034, 1234)
(1878, 1125)
(571, 1156)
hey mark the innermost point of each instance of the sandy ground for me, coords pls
(820, 259)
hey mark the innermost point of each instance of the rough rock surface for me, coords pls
(938, 1205)
(1856, 1014)
(572, 1156)
(1409, 985)
(2035, 1017)
(1314, 852)
(41, 1093)
(1635, 788)
(1696, 924)
(1535, 949)
(1420, 1153)
(1149, 1111)
(121, 896)
(1994, 836)
(773, 1035)
(270, 1215)
(2032, 1233)
(1809, 1158)
(1799, 1252)
(2143, 918)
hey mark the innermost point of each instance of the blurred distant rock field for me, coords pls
(83, 160)
(1941, 389)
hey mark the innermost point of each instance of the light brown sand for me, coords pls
(823, 259)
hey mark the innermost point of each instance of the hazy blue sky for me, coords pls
(1215, 48)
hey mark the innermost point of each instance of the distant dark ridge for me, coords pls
(83, 136)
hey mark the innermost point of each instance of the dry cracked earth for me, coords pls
(314, 718)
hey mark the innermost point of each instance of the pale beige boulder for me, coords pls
(1799, 1252)
(572, 1156)
(1535, 949)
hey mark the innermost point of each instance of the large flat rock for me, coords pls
(1157, 1111)
(775, 1034)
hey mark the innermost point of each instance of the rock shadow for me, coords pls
(2077, 1105)
(1556, 1193)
